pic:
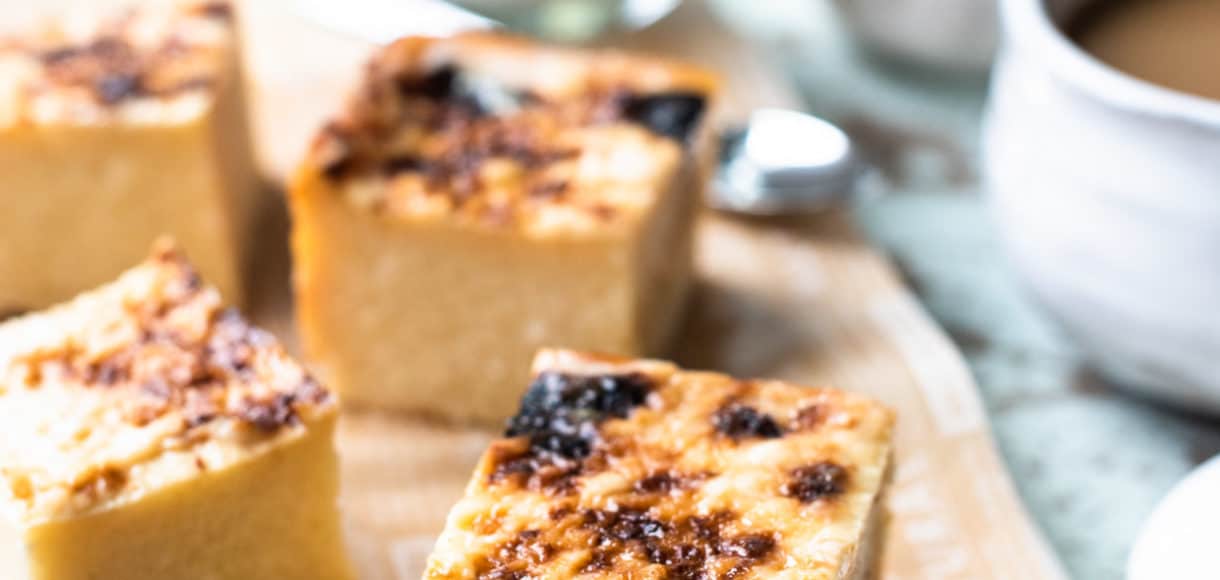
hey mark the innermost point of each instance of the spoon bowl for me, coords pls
(784, 162)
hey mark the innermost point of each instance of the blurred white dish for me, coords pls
(1179, 539)
(572, 20)
(383, 21)
(1106, 190)
(949, 34)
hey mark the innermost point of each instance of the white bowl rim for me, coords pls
(1027, 21)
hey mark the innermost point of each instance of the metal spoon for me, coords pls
(784, 162)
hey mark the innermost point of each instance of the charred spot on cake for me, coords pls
(739, 421)
(539, 473)
(465, 92)
(749, 546)
(108, 372)
(537, 156)
(749, 549)
(667, 482)
(189, 84)
(333, 146)
(560, 412)
(443, 85)
(673, 114)
(157, 389)
(623, 525)
(153, 399)
(820, 480)
(603, 211)
(269, 414)
(168, 365)
(337, 168)
(199, 414)
(108, 66)
(514, 558)
(558, 426)
(217, 10)
(436, 85)
(808, 417)
(459, 154)
(548, 189)
(232, 345)
(114, 70)
(105, 50)
(54, 56)
(112, 88)
(687, 547)
(560, 512)
(403, 163)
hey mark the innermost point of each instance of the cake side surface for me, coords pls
(274, 516)
(433, 294)
(138, 385)
(496, 132)
(619, 468)
(152, 64)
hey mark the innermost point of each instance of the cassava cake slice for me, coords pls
(482, 196)
(148, 433)
(115, 129)
(616, 468)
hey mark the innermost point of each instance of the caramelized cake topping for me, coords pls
(426, 135)
(619, 469)
(560, 412)
(741, 421)
(99, 395)
(813, 482)
(152, 63)
(558, 423)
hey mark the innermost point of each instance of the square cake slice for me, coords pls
(483, 196)
(636, 469)
(147, 433)
(114, 130)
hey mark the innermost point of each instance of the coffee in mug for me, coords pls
(1172, 43)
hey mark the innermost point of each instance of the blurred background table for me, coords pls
(1090, 461)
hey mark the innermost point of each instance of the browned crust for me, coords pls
(112, 67)
(170, 364)
(395, 131)
(606, 423)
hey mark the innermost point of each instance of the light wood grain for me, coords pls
(800, 299)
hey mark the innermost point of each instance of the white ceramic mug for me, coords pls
(1106, 190)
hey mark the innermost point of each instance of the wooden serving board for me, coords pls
(800, 299)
